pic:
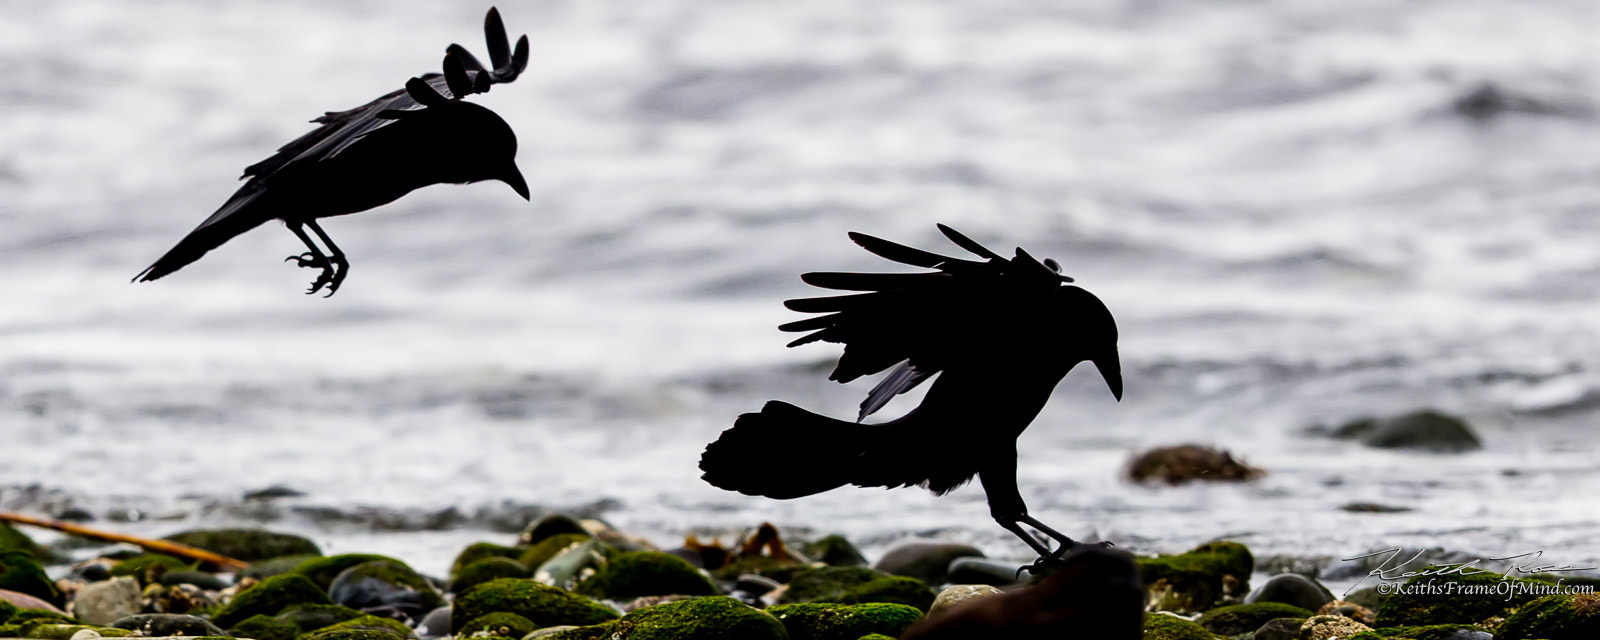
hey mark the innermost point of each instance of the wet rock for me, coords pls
(1420, 607)
(101, 603)
(620, 540)
(1236, 619)
(268, 597)
(1349, 610)
(855, 585)
(955, 594)
(498, 624)
(750, 588)
(1209, 575)
(481, 551)
(1189, 463)
(275, 567)
(541, 552)
(552, 632)
(273, 492)
(834, 551)
(994, 573)
(265, 628)
(1165, 626)
(1438, 632)
(542, 604)
(709, 617)
(178, 598)
(550, 525)
(645, 573)
(822, 621)
(1094, 594)
(92, 571)
(1421, 431)
(149, 567)
(690, 556)
(25, 602)
(436, 624)
(362, 628)
(574, 564)
(925, 561)
(249, 545)
(13, 540)
(1330, 628)
(310, 617)
(780, 569)
(485, 570)
(199, 579)
(1292, 589)
(20, 572)
(1556, 617)
(1369, 597)
(323, 570)
(1280, 629)
(1372, 507)
(167, 624)
(67, 631)
(382, 584)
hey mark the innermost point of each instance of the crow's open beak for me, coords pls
(1111, 369)
(514, 178)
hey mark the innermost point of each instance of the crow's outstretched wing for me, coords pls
(925, 322)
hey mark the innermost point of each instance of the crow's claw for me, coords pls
(1053, 560)
(309, 259)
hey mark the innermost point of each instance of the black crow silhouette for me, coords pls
(370, 156)
(999, 333)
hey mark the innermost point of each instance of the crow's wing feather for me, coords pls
(904, 378)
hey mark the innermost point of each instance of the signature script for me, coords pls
(1525, 564)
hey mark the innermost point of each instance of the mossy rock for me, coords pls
(1434, 632)
(1197, 580)
(25, 616)
(856, 585)
(481, 551)
(337, 633)
(21, 572)
(310, 617)
(1451, 599)
(260, 627)
(324, 569)
(148, 568)
(365, 623)
(276, 566)
(876, 636)
(709, 618)
(249, 545)
(575, 563)
(499, 624)
(13, 540)
(1236, 619)
(1160, 626)
(1555, 617)
(485, 570)
(65, 631)
(542, 604)
(381, 582)
(835, 551)
(542, 551)
(268, 597)
(549, 525)
(646, 573)
(826, 621)
(780, 570)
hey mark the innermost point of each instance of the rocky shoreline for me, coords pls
(565, 578)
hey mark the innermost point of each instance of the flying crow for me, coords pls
(371, 155)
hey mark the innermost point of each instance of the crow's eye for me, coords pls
(1052, 264)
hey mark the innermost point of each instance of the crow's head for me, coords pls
(464, 142)
(1092, 332)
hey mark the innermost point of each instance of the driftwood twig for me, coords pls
(162, 546)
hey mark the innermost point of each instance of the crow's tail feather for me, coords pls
(206, 237)
(785, 452)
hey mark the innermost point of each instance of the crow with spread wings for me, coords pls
(998, 333)
(371, 155)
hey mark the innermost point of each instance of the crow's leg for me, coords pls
(312, 259)
(336, 257)
(1006, 506)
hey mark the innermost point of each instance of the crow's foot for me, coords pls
(1053, 560)
(333, 270)
(310, 260)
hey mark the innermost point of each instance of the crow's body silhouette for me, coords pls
(370, 156)
(999, 333)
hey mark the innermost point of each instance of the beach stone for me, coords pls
(101, 603)
(1420, 431)
(485, 570)
(955, 594)
(249, 545)
(1235, 619)
(20, 572)
(322, 570)
(1349, 610)
(275, 566)
(689, 555)
(1211, 574)
(709, 617)
(542, 551)
(265, 628)
(925, 561)
(574, 564)
(1280, 629)
(178, 598)
(362, 628)
(1369, 597)
(1292, 589)
(835, 551)
(92, 571)
(550, 632)
(854, 585)
(380, 583)
(826, 621)
(481, 551)
(540, 603)
(1330, 628)
(499, 624)
(268, 597)
(646, 573)
(436, 624)
(167, 624)
(549, 525)
(199, 579)
(1094, 593)
(310, 617)
(148, 568)
(1186, 463)
(1161, 625)
(23, 601)
(53, 631)
(12, 539)
(1555, 617)
(994, 573)
(1422, 607)
(780, 569)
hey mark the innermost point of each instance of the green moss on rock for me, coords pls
(310, 617)
(709, 618)
(50, 631)
(1455, 599)
(485, 570)
(854, 585)
(1433, 632)
(21, 572)
(822, 621)
(323, 570)
(542, 604)
(367, 623)
(543, 550)
(1197, 580)
(646, 573)
(478, 551)
(268, 597)
(249, 545)
(276, 566)
(13, 540)
(549, 525)
(1160, 626)
(6, 611)
(337, 633)
(1240, 618)
(1555, 617)
(499, 624)
(260, 627)
(835, 551)
(780, 570)
(148, 568)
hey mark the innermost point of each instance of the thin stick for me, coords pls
(162, 546)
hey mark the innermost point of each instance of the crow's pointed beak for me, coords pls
(513, 177)
(1111, 369)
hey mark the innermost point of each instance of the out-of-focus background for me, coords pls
(1301, 213)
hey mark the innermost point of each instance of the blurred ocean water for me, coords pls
(1300, 212)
